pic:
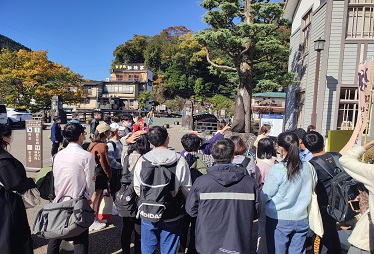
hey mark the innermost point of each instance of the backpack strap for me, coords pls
(90, 148)
(113, 144)
(244, 164)
(323, 164)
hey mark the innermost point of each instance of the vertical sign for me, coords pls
(34, 145)
(364, 102)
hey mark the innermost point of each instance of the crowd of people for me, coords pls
(204, 199)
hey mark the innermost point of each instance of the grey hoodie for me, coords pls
(163, 156)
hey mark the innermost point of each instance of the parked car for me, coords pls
(3, 115)
(18, 116)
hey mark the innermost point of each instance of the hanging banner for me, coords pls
(365, 85)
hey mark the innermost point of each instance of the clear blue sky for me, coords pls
(83, 34)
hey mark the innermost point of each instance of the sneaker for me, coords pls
(97, 226)
(67, 246)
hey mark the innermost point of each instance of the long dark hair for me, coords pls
(141, 145)
(5, 131)
(290, 142)
(265, 149)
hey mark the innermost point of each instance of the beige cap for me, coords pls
(103, 127)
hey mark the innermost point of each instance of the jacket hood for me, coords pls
(226, 174)
(160, 156)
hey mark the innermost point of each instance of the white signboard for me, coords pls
(275, 121)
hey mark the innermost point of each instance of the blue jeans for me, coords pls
(286, 236)
(167, 233)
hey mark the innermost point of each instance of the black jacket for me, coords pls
(15, 235)
(224, 201)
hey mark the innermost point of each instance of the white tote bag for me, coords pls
(314, 214)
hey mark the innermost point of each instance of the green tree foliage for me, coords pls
(222, 102)
(131, 51)
(143, 98)
(26, 75)
(246, 37)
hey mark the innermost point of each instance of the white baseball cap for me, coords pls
(117, 126)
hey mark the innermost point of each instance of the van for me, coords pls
(3, 114)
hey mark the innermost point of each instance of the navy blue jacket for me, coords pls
(224, 202)
(56, 135)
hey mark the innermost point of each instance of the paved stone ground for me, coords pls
(108, 239)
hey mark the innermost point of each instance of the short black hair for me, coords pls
(72, 131)
(157, 135)
(265, 148)
(141, 145)
(223, 151)
(126, 117)
(191, 142)
(300, 132)
(313, 141)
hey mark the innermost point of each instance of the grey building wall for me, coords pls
(330, 99)
(295, 66)
(349, 67)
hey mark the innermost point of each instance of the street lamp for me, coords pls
(318, 46)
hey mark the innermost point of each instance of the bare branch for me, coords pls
(225, 67)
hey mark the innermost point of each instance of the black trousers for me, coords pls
(55, 147)
(128, 226)
(330, 243)
(115, 181)
(80, 244)
(187, 220)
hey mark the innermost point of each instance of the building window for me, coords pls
(348, 107)
(306, 21)
(360, 19)
(120, 89)
(133, 77)
(119, 77)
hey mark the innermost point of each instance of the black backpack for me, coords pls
(126, 198)
(343, 189)
(156, 201)
(45, 185)
(197, 165)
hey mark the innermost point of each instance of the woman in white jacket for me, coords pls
(363, 173)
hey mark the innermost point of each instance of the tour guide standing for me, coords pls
(224, 202)
(167, 229)
(56, 136)
(73, 170)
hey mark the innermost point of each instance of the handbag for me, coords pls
(31, 197)
(64, 219)
(314, 214)
(105, 206)
(126, 199)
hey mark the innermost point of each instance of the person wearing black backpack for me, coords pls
(191, 143)
(162, 180)
(130, 222)
(314, 142)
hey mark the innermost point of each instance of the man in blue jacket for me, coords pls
(56, 135)
(224, 202)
